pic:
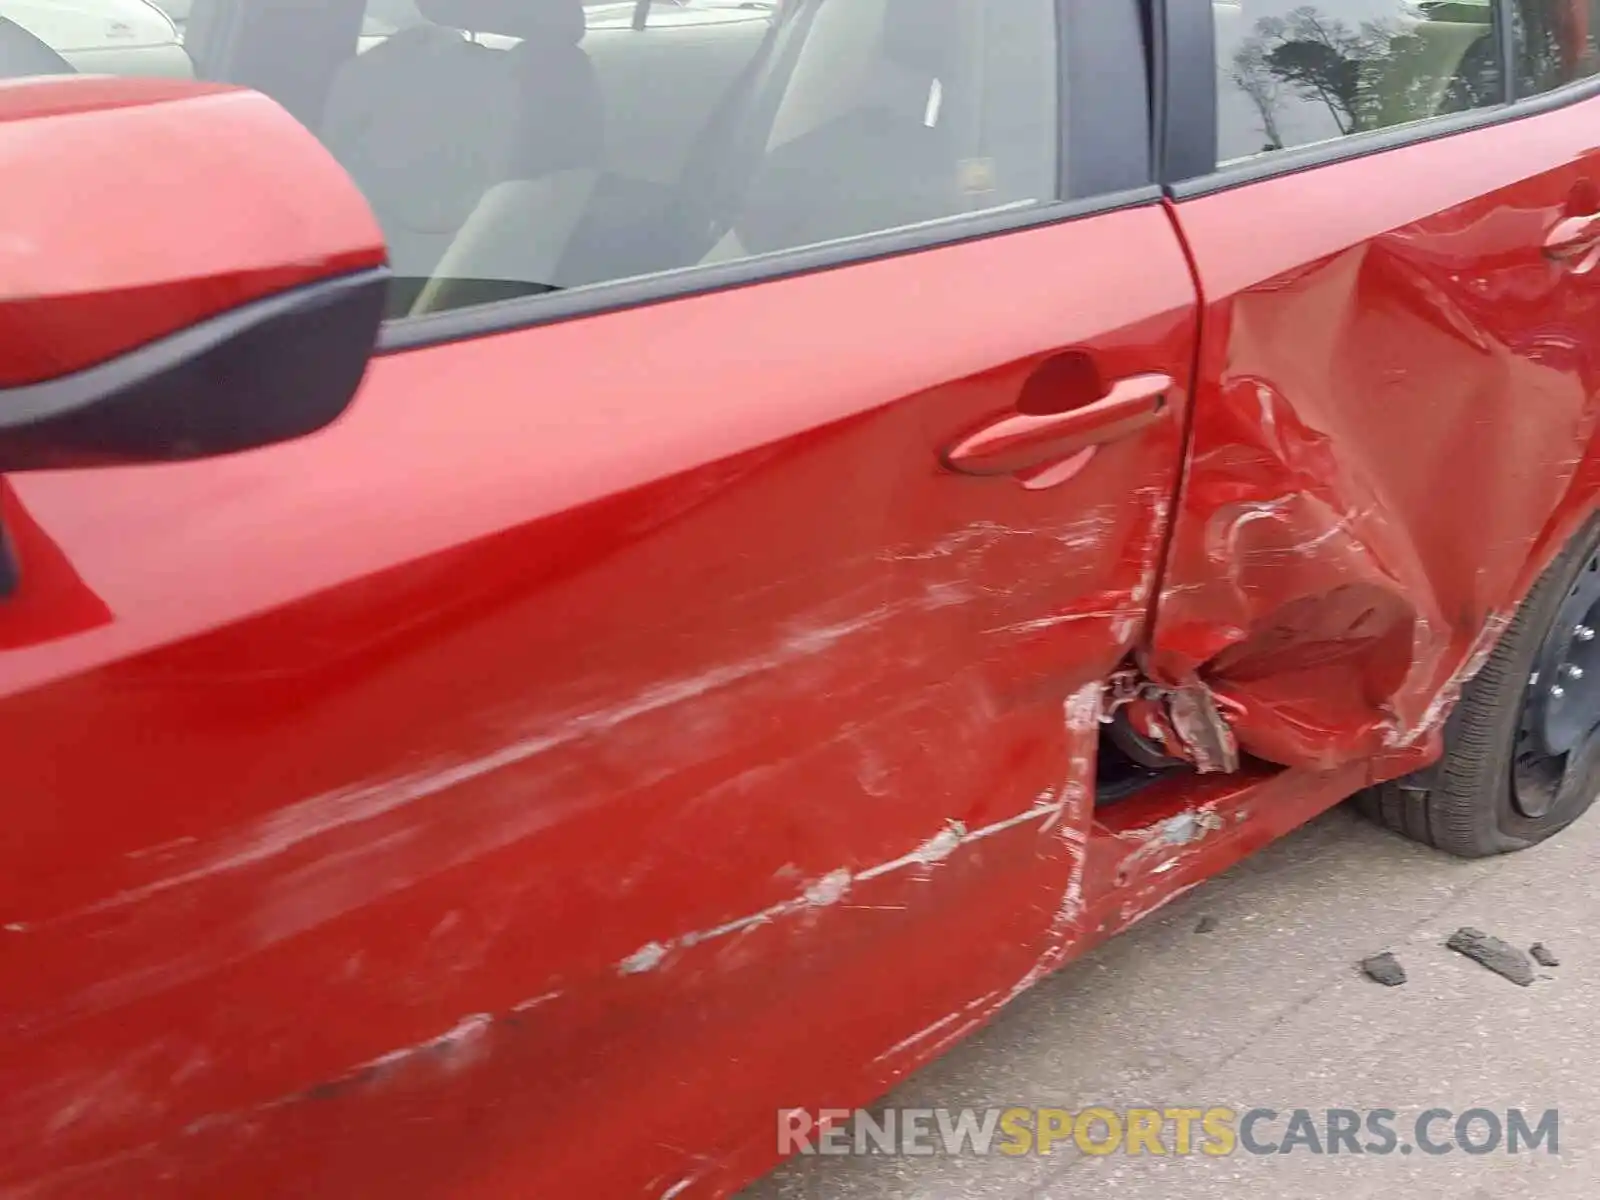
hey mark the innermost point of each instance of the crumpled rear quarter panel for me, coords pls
(1393, 430)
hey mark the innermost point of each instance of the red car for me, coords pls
(566, 590)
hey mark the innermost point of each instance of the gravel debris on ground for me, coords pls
(1500, 957)
(1385, 968)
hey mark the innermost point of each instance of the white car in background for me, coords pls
(105, 37)
(144, 37)
(387, 17)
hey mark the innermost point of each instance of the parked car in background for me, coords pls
(178, 10)
(112, 37)
(569, 591)
(387, 17)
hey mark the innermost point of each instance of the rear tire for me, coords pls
(1521, 759)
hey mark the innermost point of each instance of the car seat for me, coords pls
(429, 122)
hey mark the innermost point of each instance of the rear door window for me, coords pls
(1553, 43)
(1294, 74)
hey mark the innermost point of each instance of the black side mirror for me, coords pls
(184, 272)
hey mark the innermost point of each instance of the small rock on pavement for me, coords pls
(1385, 968)
(1504, 960)
(1205, 925)
(1540, 953)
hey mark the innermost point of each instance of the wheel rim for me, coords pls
(1556, 744)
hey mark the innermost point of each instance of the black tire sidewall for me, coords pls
(1495, 698)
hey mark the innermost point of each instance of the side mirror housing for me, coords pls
(185, 271)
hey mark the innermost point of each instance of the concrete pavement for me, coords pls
(1267, 1009)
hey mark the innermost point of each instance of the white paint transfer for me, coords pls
(283, 829)
(1115, 615)
(457, 1047)
(1081, 717)
(534, 1002)
(646, 958)
(1087, 532)
(1396, 736)
(983, 1003)
(830, 889)
(979, 533)
(679, 1188)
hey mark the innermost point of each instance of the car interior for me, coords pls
(513, 147)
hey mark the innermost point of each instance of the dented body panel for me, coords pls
(507, 774)
(615, 731)
(1394, 431)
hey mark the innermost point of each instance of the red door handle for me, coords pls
(1574, 240)
(1024, 440)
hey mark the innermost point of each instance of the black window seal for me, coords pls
(1079, 30)
(1181, 182)
(1107, 114)
(1379, 141)
(1508, 47)
(1183, 37)
(508, 316)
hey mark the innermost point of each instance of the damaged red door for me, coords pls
(584, 762)
(1396, 407)
(635, 717)
(609, 732)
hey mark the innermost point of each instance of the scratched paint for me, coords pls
(833, 887)
(508, 803)
(1380, 455)
(306, 874)
(192, 863)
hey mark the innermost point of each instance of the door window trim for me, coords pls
(1116, 105)
(1187, 164)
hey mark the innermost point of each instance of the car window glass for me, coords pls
(1553, 43)
(515, 147)
(1294, 74)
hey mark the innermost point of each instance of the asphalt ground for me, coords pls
(1246, 994)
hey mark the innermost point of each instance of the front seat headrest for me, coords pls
(545, 19)
(926, 37)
